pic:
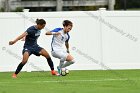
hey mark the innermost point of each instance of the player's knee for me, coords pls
(72, 61)
(69, 58)
(24, 62)
(62, 59)
(47, 57)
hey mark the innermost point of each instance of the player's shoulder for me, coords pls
(31, 28)
(57, 29)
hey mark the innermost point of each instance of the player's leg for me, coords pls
(44, 53)
(59, 55)
(62, 60)
(20, 66)
(63, 56)
(70, 60)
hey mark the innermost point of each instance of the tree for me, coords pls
(129, 4)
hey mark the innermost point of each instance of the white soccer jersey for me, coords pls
(59, 40)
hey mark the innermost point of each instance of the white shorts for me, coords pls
(61, 54)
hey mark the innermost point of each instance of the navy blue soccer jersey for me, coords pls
(31, 38)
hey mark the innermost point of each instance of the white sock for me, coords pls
(68, 63)
(62, 60)
(61, 64)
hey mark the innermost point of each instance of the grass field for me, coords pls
(95, 81)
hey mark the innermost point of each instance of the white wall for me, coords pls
(99, 39)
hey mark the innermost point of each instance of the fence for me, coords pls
(99, 39)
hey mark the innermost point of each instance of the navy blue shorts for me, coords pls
(32, 50)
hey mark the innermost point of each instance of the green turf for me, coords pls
(95, 81)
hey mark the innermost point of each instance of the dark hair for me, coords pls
(40, 21)
(67, 22)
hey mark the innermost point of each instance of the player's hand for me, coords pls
(11, 42)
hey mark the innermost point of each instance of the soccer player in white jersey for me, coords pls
(61, 37)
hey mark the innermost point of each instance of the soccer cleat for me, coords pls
(59, 70)
(55, 73)
(14, 75)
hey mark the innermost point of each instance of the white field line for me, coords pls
(59, 81)
(85, 80)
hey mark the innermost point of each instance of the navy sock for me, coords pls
(50, 62)
(19, 68)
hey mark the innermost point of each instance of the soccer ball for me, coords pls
(64, 71)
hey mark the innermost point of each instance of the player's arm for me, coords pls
(18, 38)
(67, 46)
(52, 33)
(67, 43)
(23, 39)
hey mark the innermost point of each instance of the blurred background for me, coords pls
(67, 5)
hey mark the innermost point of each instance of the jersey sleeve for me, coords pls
(56, 29)
(68, 37)
(29, 31)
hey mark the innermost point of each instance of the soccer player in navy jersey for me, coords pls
(60, 37)
(31, 47)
